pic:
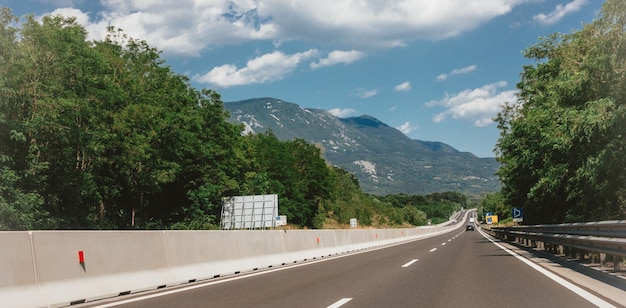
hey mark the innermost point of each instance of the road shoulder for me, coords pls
(603, 284)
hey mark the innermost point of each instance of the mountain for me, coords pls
(383, 159)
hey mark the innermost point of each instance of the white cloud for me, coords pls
(457, 71)
(479, 105)
(82, 18)
(406, 128)
(442, 77)
(365, 93)
(184, 27)
(337, 57)
(187, 27)
(342, 113)
(386, 23)
(559, 12)
(403, 87)
(268, 67)
(463, 70)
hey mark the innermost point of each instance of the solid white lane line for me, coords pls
(206, 284)
(409, 263)
(572, 287)
(432, 250)
(340, 302)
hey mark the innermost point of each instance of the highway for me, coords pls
(460, 268)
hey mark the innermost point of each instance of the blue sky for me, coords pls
(437, 70)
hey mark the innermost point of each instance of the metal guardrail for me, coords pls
(607, 237)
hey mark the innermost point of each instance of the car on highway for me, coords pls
(470, 227)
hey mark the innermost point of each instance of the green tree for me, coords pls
(296, 171)
(104, 135)
(561, 146)
(414, 216)
(494, 203)
(170, 145)
(48, 94)
(19, 209)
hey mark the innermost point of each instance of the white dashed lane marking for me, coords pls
(340, 303)
(409, 263)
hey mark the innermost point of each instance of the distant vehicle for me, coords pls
(471, 220)
(470, 227)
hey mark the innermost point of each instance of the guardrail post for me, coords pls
(569, 252)
(602, 259)
(592, 257)
(617, 262)
(583, 255)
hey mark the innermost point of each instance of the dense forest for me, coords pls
(104, 135)
(563, 145)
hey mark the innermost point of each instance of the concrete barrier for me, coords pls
(114, 262)
(18, 283)
(58, 268)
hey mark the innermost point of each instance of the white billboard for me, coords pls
(249, 212)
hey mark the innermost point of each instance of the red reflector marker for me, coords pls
(81, 257)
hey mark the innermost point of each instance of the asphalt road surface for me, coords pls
(458, 269)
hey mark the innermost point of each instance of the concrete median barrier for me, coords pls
(113, 262)
(18, 283)
(58, 268)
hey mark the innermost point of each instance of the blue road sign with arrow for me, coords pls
(518, 215)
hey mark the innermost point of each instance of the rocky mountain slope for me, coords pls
(383, 159)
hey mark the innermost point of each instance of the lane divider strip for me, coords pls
(340, 302)
(409, 263)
